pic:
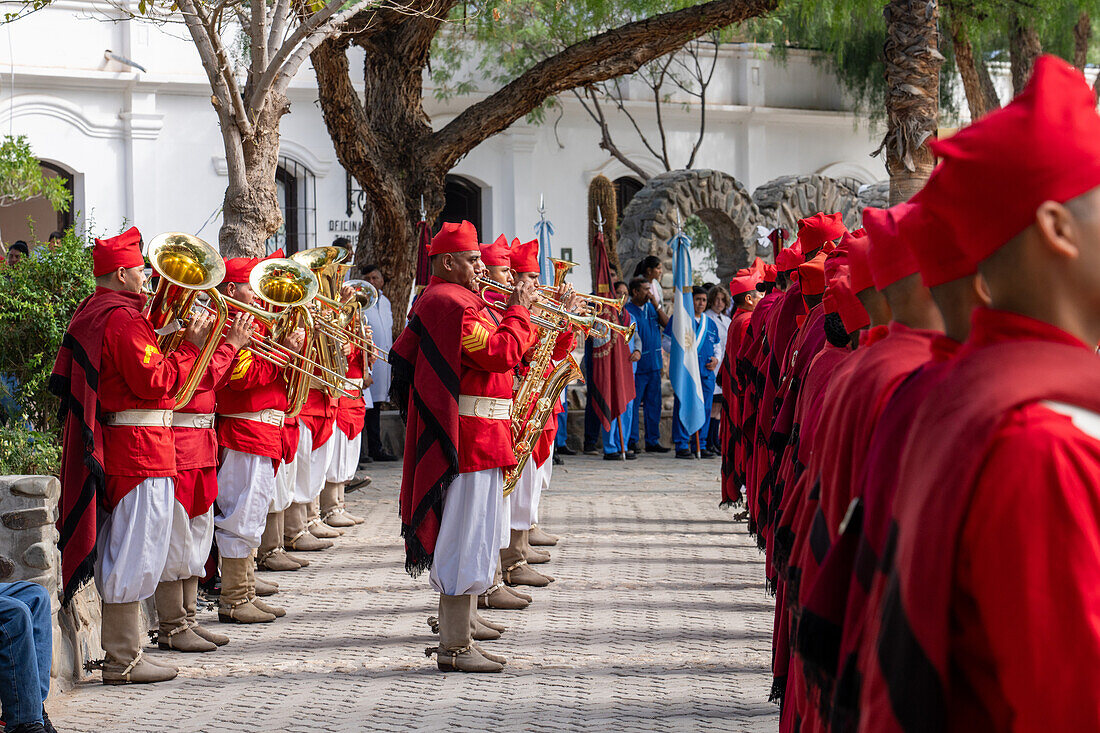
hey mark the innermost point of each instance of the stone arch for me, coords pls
(715, 197)
(785, 200)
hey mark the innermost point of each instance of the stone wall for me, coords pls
(28, 551)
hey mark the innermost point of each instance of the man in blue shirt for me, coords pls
(647, 377)
(706, 344)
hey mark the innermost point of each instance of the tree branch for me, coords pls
(236, 100)
(610, 54)
(226, 96)
(280, 16)
(606, 142)
(258, 40)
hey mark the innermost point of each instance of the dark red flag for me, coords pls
(612, 385)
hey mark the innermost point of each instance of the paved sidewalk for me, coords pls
(658, 621)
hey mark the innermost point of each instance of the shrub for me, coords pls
(28, 452)
(37, 299)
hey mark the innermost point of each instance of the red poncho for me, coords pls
(426, 364)
(995, 578)
(74, 380)
(733, 473)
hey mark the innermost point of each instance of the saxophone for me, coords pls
(566, 371)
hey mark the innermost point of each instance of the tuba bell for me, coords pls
(186, 266)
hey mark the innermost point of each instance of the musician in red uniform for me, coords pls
(498, 267)
(452, 375)
(316, 424)
(250, 409)
(193, 511)
(517, 558)
(347, 436)
(118, 391)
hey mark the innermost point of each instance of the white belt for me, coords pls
(193, 420)
(489, 408)
(357, 381)
(141, 418)
(269, 416)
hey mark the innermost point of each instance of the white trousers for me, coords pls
(189, 546)
(312, 466)
(284, 486)
(468, 545)
(246, 484)
(523, 497)
(506, 521)
(545, 471)
(345, 457)
(132, 543)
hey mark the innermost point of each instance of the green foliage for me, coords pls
(21, 176)
(703, 244)
(28, 452)
(38, 296)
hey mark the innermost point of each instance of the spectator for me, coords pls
(649, 321)
(651, 269)
(718, 306)
(17, 251)
(26, 651)
(706, 342)
(380, 319)
(55, 239)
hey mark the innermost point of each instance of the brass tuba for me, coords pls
(186, 266)
(328, 266)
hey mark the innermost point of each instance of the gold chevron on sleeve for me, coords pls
(243, 362)
(477, 339)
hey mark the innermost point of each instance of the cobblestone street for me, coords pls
(658, 621)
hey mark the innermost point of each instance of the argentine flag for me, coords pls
(683, 368)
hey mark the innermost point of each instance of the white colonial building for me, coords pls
(141, 145)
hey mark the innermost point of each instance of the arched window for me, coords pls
(296, 188)
(625, 189)
(461, 200)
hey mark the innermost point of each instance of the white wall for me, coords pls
(145, 146)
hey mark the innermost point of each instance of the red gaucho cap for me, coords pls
(745, 280)
(857, 244)
(933, 245)
(814, 231)
(495, 254)
(121, 251)
(454, 237)
(525, 257)
(889, 231)
(811, 275)
(788, 259)
(994, 174)
(237, 269)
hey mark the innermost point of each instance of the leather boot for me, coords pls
(235, 604)
(275, 611)
(121, 636)
(501, 596)
(519, 594)
(456, 651)
(175, 632)
(296, 535)
(479, 621)
(541, 538)
(317, 528)
(265, 589)
(332, 511)
(514, 567)
(190, 600)
(533, 556)
(271, 555)
(480, 630)
(344, 506)
(491, 657)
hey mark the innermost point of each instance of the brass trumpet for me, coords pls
(571, 320)
(615, 304)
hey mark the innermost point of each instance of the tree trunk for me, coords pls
(968, 71)
(1024, 47)
(250, 210)
(912, 97)
(375, 141)
(989, 89)
(1082, 33)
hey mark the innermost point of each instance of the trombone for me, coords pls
(563, 318)
(286, 284)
